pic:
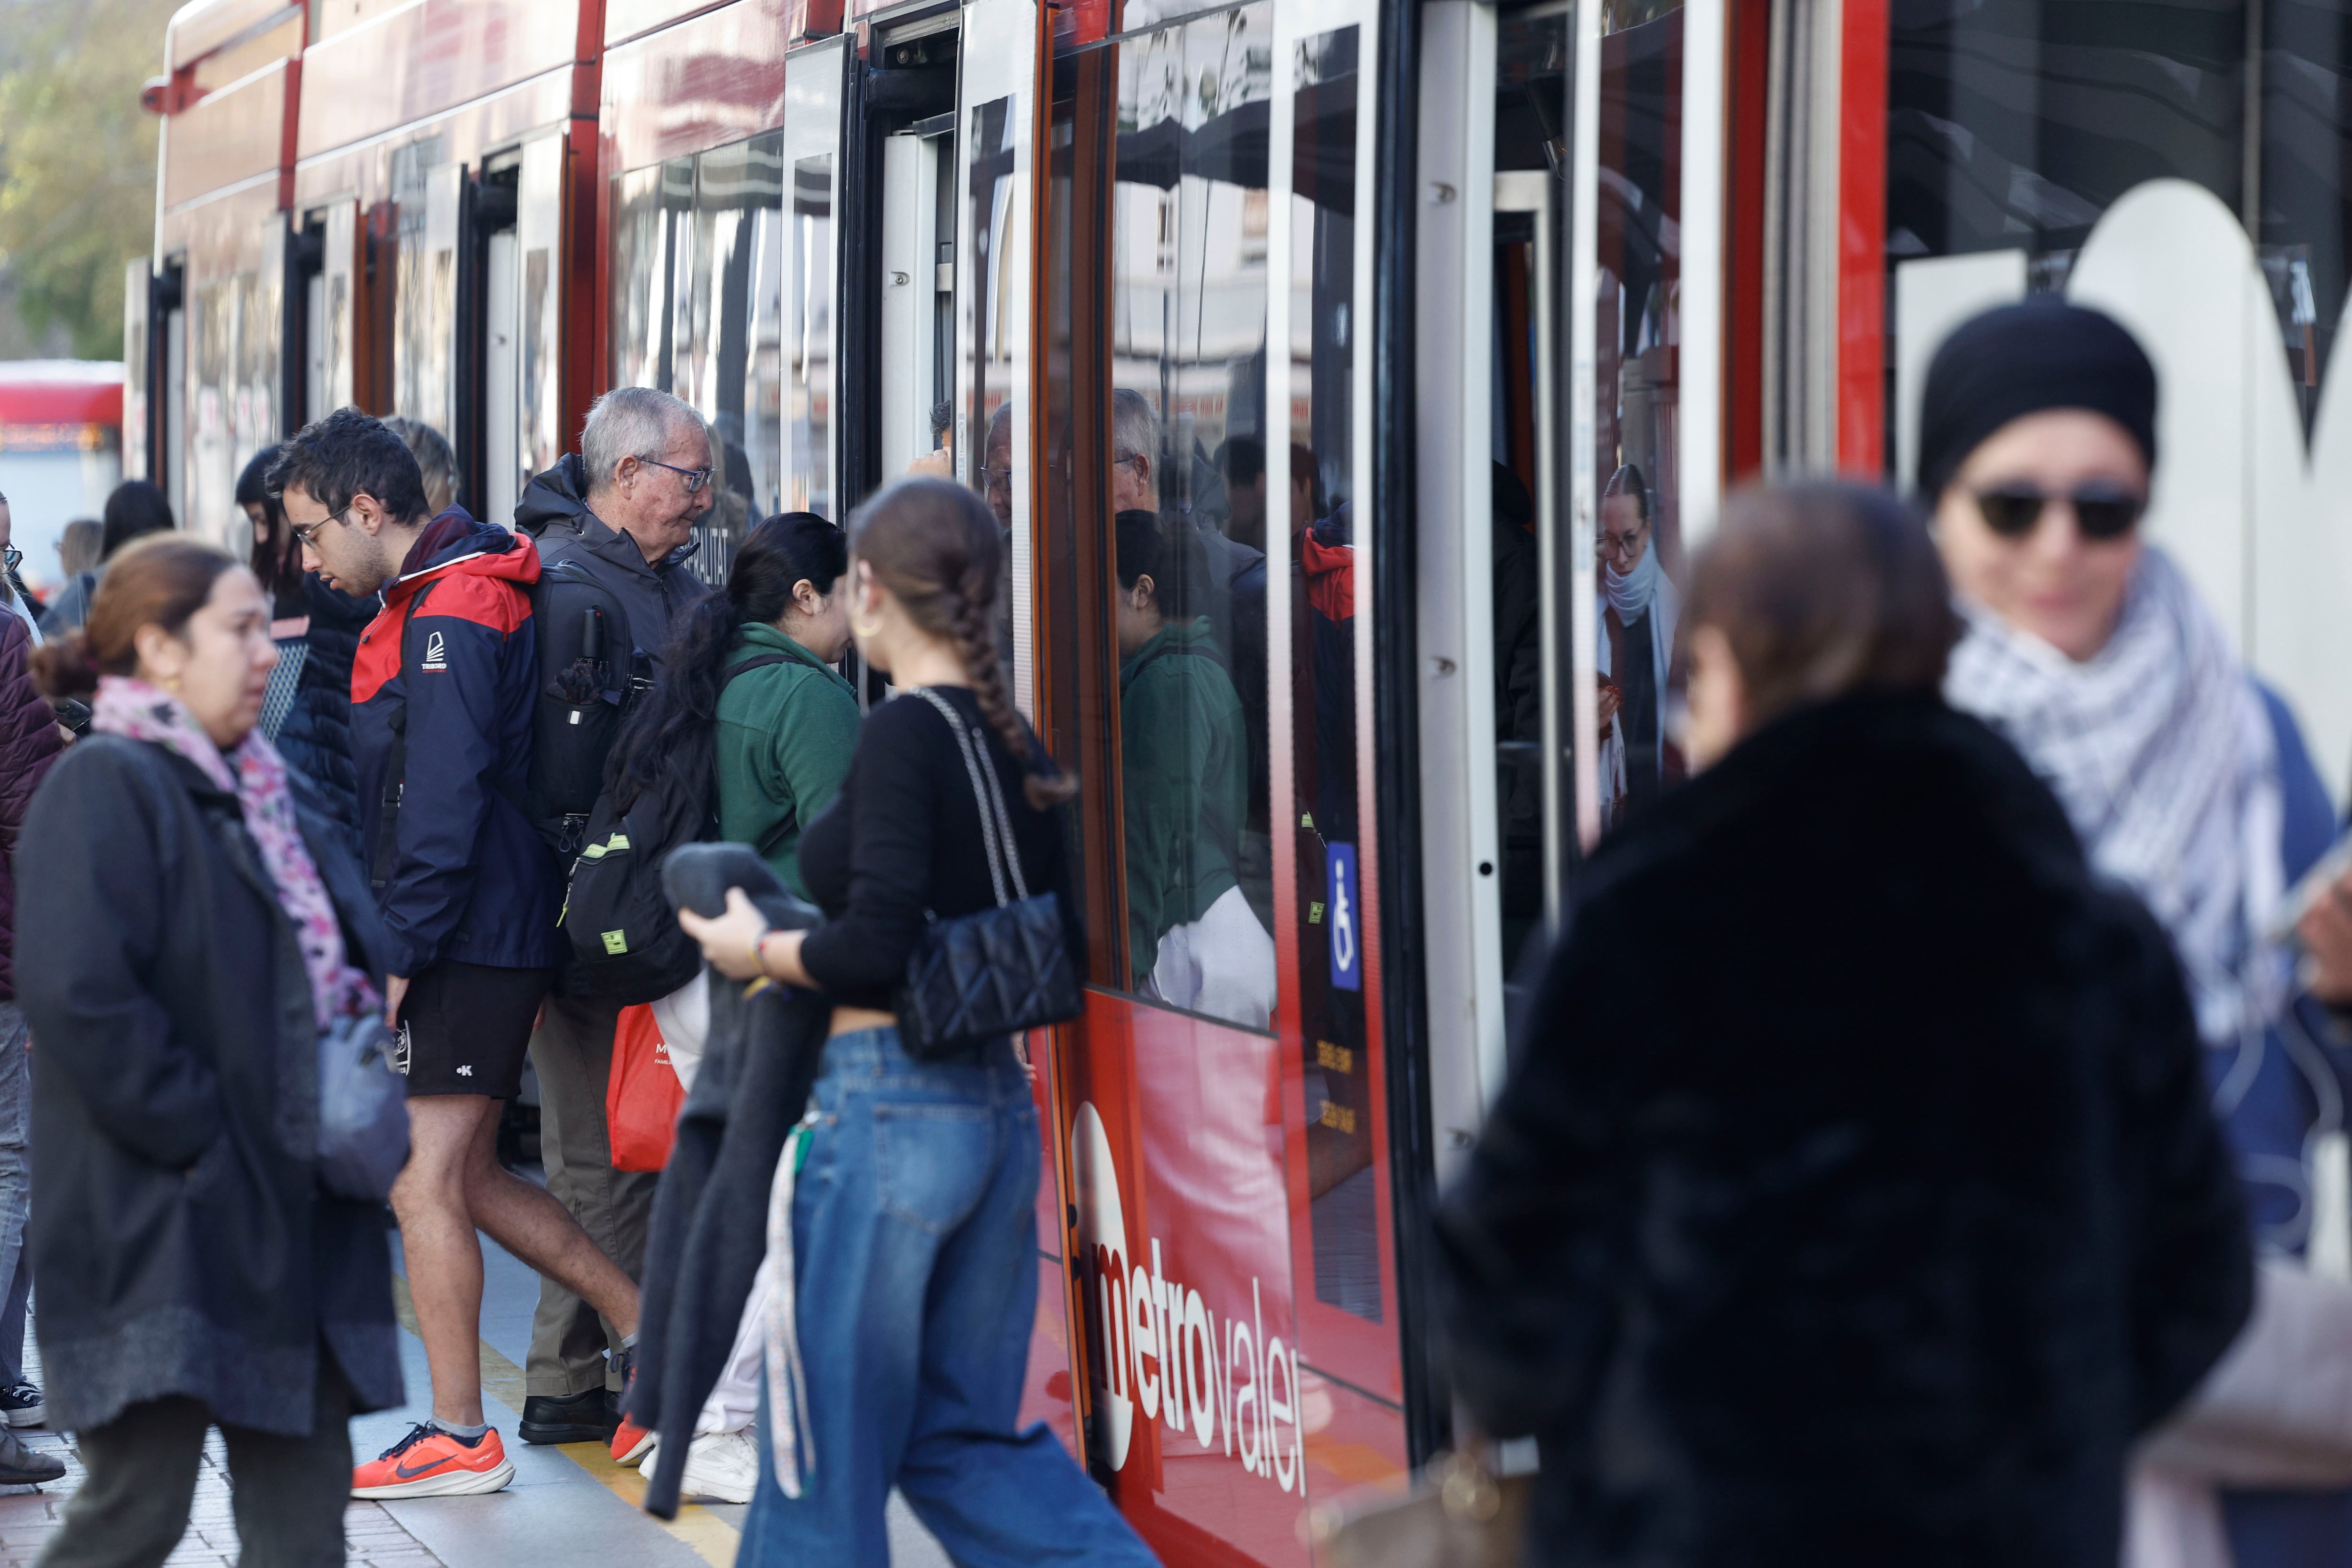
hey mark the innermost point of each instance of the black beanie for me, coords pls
(2022, 359)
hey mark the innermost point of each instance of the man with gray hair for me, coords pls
(620, 513)
(1235, 600)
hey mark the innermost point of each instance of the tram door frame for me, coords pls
(1460, 193)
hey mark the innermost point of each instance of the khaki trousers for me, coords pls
(572, 1055)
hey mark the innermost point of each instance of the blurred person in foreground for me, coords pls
(2189, 784)
(188, 933)
(135, 509)
(1883, 1242)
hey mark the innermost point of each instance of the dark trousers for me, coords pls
(288, 1492)
(572, 1054)
(12, 1322)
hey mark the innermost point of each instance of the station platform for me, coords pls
(569, 1505)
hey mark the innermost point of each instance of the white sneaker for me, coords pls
(721, 1467)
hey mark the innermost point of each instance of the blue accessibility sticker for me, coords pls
(1347, 948)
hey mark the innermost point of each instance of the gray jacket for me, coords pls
(554, 512)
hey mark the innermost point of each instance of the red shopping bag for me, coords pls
(641, 1101)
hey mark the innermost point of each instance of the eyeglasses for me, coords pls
(1627, 546)
(998, 477)
(12, 556)
(2014, 512)
(306, 536)
(695, 478)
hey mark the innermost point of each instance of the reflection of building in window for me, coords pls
(697, 309)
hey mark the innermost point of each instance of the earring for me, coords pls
(864, 629)
(171, 684)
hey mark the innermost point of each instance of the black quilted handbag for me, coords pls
(974, 977)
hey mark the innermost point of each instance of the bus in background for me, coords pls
(60, 452)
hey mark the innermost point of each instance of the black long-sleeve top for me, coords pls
(902, 840)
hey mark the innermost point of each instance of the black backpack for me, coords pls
(590, 676)
(627, 944)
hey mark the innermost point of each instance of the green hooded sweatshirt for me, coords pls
(784, 739)
(1184, 751)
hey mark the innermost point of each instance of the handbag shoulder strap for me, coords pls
(994, 823)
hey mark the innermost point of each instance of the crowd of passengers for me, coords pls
(1916, 1147)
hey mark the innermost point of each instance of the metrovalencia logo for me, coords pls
(1159, 1344)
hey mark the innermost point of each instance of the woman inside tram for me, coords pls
(1184, 778)
(1641, 666)
(914, 1258)
(2189, 784)
(1853, 1197)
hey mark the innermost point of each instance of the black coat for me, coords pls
(316, 738)
(1854, 1198)
(182, 1240)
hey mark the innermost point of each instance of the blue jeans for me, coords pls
(914, 1246)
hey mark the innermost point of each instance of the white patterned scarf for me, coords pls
(2162, 754)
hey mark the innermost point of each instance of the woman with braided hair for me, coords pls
(911, 1224)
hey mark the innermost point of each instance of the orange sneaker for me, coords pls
(429, 1462)
(630, 1442)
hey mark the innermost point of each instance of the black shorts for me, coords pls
(467, 1026)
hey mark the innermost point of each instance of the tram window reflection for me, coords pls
(1184, 428)
(1196, 943)
(697, 308)
(808, 338)
(999, 330)
(1638, 535)
(1318, 382)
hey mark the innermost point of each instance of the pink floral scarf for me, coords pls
(253, 772)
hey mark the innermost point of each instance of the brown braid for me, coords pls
(935, 546)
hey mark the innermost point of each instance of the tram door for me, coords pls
(987, 258)
(1570, 454)
(910, 107)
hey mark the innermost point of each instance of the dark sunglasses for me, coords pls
(2014, 512)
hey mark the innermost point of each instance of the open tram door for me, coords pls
(1572, 244)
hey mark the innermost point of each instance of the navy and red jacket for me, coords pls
(451, 667)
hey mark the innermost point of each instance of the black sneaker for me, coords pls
(24, 1467)
(21, 1405)
(584, 1417)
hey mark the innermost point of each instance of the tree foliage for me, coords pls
(77, 159)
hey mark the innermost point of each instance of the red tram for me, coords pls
(1446, 322)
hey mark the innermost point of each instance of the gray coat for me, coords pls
(554, 512)
(182, 1242)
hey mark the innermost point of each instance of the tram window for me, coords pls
(1638, 534)
(997, 329)
(1531, 235)
(1320, 380)
(697, 305)
(1185, 439)
(808, 336)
